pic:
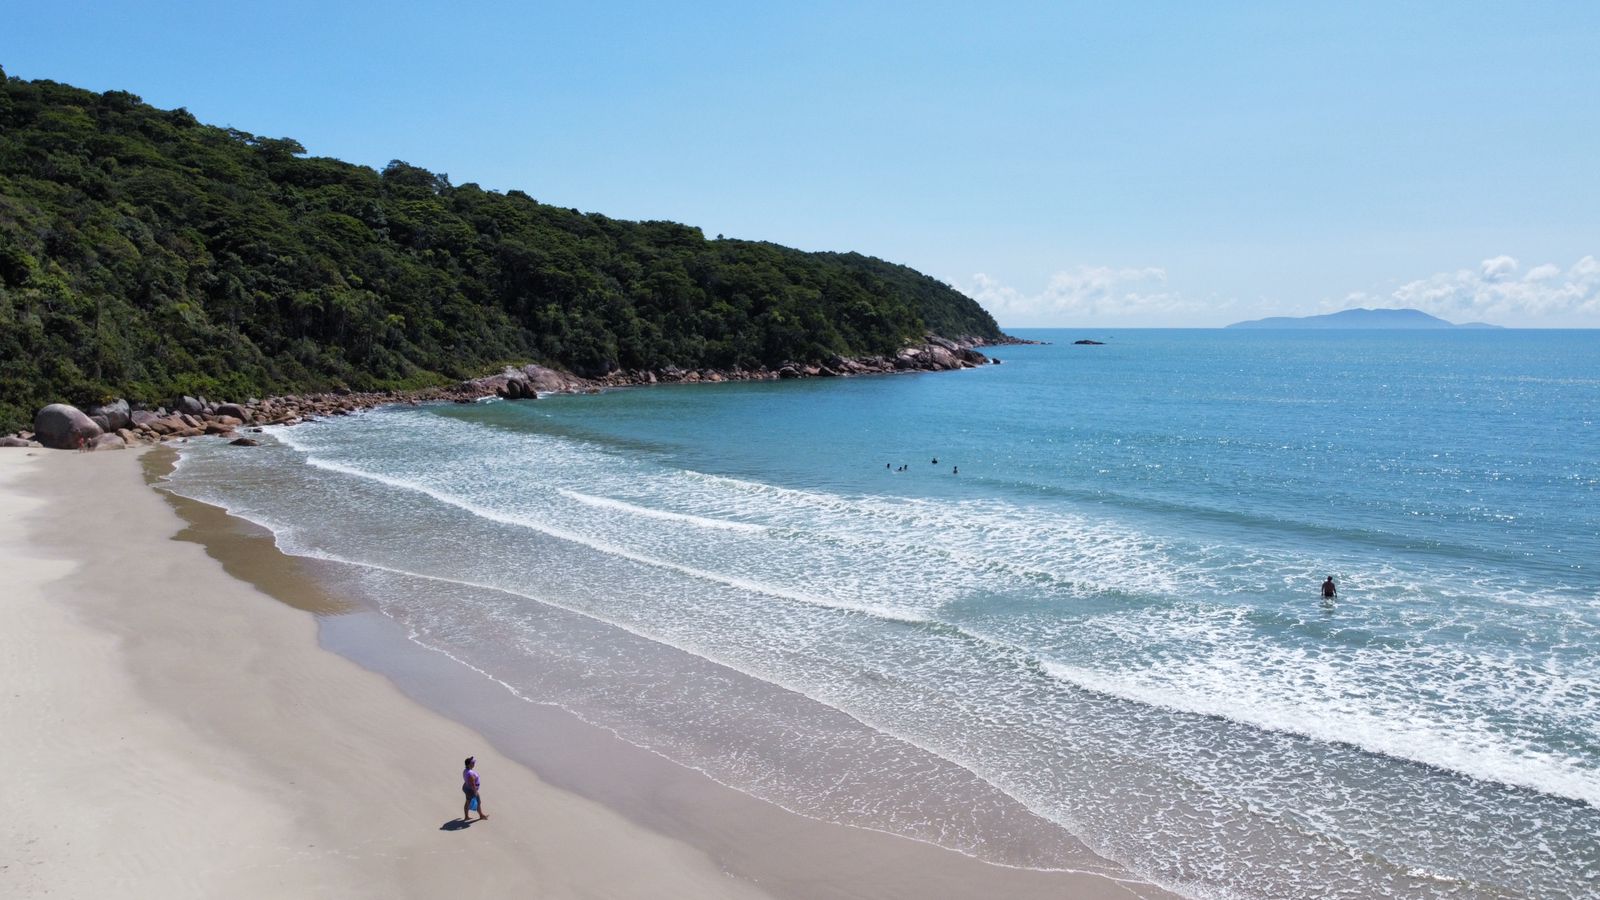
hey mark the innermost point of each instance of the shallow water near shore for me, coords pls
(1105, 627)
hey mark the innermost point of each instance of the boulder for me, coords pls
(116, 414)
(10, 441)
(245, 442)
(516, 389)
(233, 411)
(939, 357)
(108, 442)
(63, 427)
(102, 421)
(141, 418)
(190, 405)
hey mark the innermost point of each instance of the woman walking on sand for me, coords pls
(469, 786)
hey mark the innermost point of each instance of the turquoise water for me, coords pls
(1109, 619)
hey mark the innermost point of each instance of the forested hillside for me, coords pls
(144, 254)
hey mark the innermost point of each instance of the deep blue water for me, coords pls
(1110, 616)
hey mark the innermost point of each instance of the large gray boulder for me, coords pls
(63, 427)
(13, 441)
(142, 417)
(108, 442)
(190, 405)
(115, 413)
(940, 358)
(233, 411)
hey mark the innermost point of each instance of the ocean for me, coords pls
(1095, 618)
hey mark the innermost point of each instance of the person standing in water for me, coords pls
(470, 783)
(1329, 591)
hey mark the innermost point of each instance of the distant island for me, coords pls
(1361, 318)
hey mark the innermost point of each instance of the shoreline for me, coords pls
(714, 840)
(119, 424)
(174, 733)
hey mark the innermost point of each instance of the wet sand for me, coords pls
(180, 734)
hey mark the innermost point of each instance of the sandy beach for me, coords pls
(173, 731)
(170, 732)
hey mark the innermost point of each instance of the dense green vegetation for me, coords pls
(143, 254)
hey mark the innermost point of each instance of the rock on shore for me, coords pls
(62, 427)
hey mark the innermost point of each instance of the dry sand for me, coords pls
(170, 731)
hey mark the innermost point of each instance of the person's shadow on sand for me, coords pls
(456, 825)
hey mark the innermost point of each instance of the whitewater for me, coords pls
(1109, 619)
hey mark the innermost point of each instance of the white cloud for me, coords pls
(1498, 290)
(1498, 268)
(1085, 295)
(1545, 295)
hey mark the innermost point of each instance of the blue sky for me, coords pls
(1067, 164)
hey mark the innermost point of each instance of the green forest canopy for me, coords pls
(145, 255)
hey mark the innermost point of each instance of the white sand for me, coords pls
(168, 731)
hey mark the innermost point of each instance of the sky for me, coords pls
(1070, 165)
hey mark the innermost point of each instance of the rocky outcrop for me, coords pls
(14, 441)
(62, 427)
(934, 355)
(66, 427)
(108, 442)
